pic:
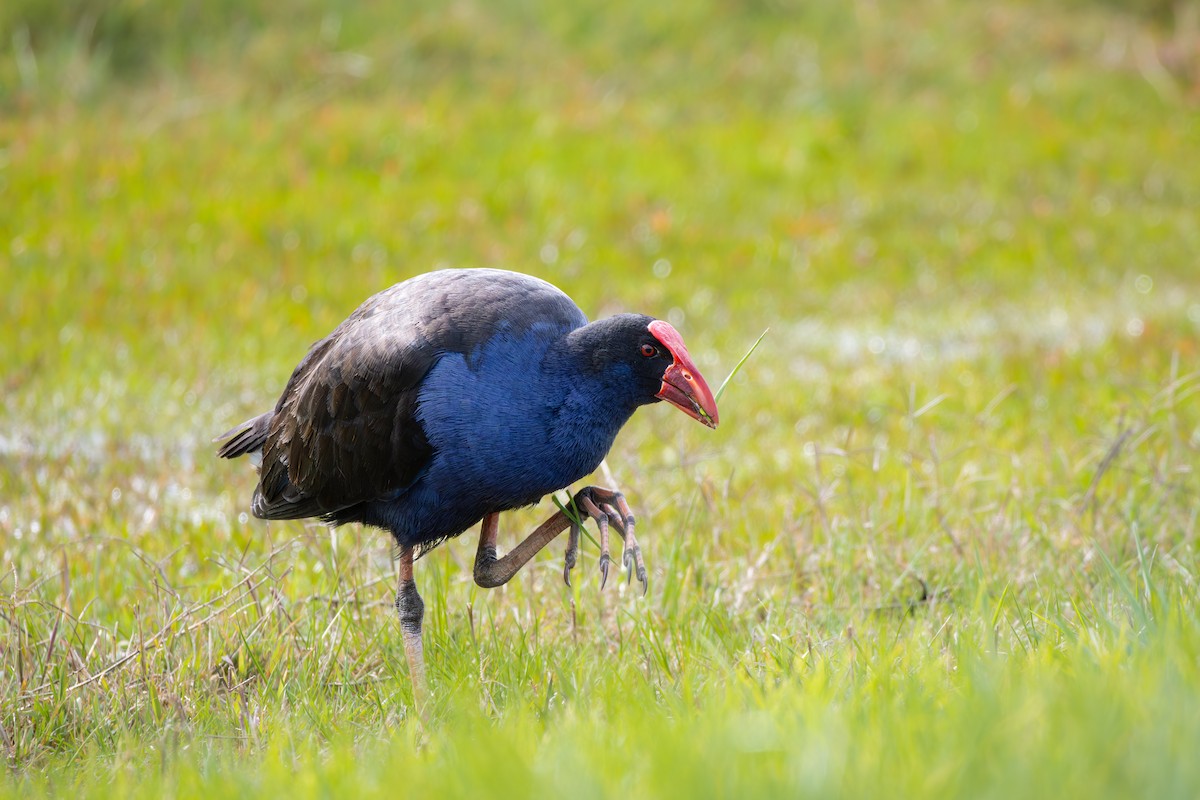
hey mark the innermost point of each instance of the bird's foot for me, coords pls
(607, 506)
(620, 513)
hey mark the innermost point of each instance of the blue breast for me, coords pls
(509, 423)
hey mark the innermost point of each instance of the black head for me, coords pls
(648, 357)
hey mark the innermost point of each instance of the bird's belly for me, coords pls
(462, 485)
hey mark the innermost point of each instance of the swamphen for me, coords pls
(452, 397)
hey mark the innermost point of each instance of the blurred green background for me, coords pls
(953, 492)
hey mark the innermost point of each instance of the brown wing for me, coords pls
(345, 430)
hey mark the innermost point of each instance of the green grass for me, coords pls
(944, 542)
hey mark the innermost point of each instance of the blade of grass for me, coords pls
(738, 366)
(574, 515)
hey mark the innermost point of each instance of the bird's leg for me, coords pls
(411, 609)
(603, 505)
(485, 554)
(491, 571)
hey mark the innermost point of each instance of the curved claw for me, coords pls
(605, 560)
(633, 563)
(570, 557)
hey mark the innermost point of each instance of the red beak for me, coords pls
(683, 386)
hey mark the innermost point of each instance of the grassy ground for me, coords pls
(944, 542)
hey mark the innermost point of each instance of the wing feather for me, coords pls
(345, 430)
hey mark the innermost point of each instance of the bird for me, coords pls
(452, 397)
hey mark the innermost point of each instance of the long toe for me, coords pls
(572, 554)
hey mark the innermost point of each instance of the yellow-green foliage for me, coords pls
(944, 542)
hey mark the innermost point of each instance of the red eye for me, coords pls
(649, 350)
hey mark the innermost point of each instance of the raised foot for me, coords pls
(606, 507)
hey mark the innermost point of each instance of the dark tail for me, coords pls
(245, 438)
